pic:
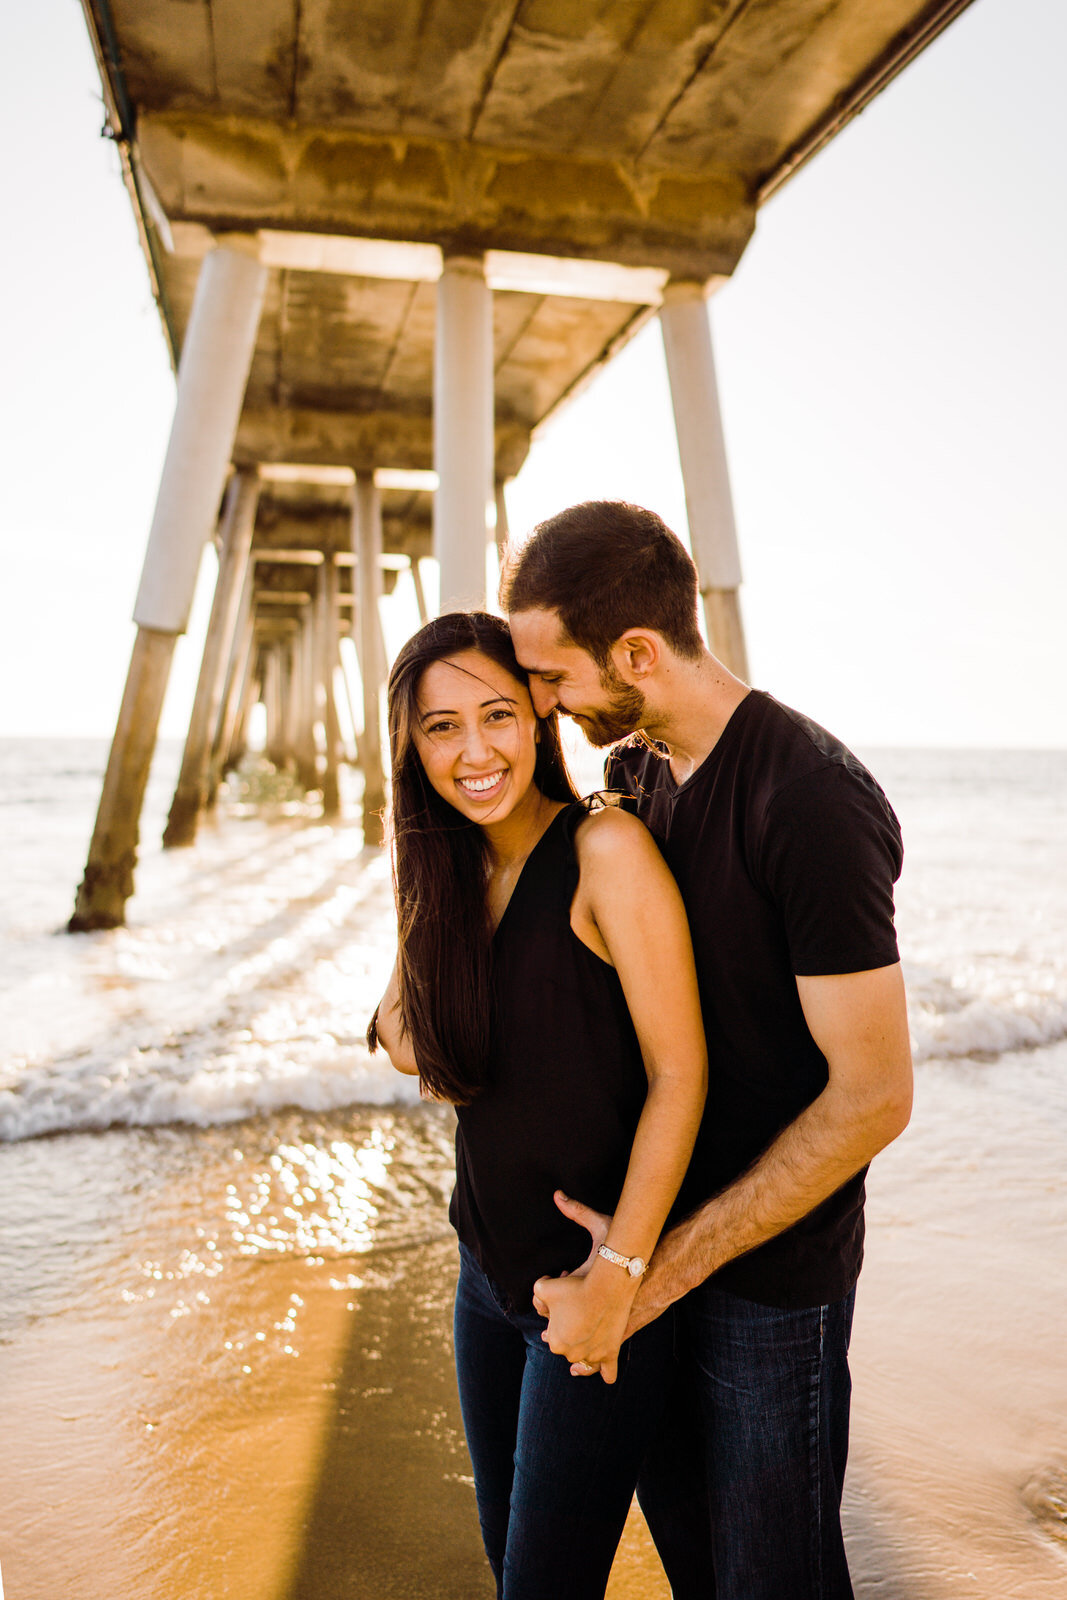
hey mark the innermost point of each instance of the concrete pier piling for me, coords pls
(326, 627)
(191, 792)
(237, 673)
(307, 767)
(705, 471)
(211, 383)
(463, 429)
(109, 872)
(367, 543)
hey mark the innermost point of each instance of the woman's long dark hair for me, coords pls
(441, 871)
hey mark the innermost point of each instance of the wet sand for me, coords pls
(959, 1355)
(211, 1394)
(225, 1367)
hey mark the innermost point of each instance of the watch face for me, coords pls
(636, 1267)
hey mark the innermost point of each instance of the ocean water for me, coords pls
(251, 963)
(242, 983)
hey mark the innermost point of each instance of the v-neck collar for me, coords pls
(733, 722)
(562, 812)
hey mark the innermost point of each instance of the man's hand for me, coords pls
(596, 1225)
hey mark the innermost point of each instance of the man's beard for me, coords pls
(624, 715)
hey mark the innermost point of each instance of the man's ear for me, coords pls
(637, 653)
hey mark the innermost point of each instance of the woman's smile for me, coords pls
(483, 788)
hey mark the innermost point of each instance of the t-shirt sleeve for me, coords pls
(831, 853)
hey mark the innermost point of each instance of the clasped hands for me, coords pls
(589, 1312)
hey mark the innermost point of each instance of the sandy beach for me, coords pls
(200, 1409)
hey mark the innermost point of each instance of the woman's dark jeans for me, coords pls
(555, 1458)
(742, 1487)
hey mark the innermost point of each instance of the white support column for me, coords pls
(705, 473)
(420, 591)
(236, 673)
(326, 602)
(270, 695)
(370, 647)
(237, 524)
(251, 692)
(292, 706)
(463, 429)
(216, 356)
(307, 752)
(501, 521)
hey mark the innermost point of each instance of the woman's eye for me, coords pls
(439, 727)
(501, 714)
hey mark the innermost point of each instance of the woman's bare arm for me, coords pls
(628, 909)
(391, 1036)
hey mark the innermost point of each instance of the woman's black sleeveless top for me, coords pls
(566, 1083)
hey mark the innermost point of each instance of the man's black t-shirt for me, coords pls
(786, 851)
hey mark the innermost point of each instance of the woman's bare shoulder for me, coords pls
(610, 836)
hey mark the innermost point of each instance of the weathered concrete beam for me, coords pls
(303, 542)
(369, 439)
(350, 256)
(242, 172)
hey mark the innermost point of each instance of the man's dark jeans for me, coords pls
(555, 1458)
(742, 1488)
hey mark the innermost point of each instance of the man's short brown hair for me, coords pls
(605, 566)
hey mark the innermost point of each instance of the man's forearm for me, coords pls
(826, 1145)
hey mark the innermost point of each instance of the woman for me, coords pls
(545, 986)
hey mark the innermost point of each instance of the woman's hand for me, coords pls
(587, 1315)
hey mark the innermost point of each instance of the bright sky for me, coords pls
(891, 358)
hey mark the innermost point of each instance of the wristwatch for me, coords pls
(634, 1265)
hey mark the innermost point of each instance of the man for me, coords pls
(786, 852)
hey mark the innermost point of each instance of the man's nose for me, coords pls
(544, 698)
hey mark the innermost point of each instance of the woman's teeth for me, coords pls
(480, 785)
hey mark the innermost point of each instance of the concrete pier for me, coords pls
(409, 259)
